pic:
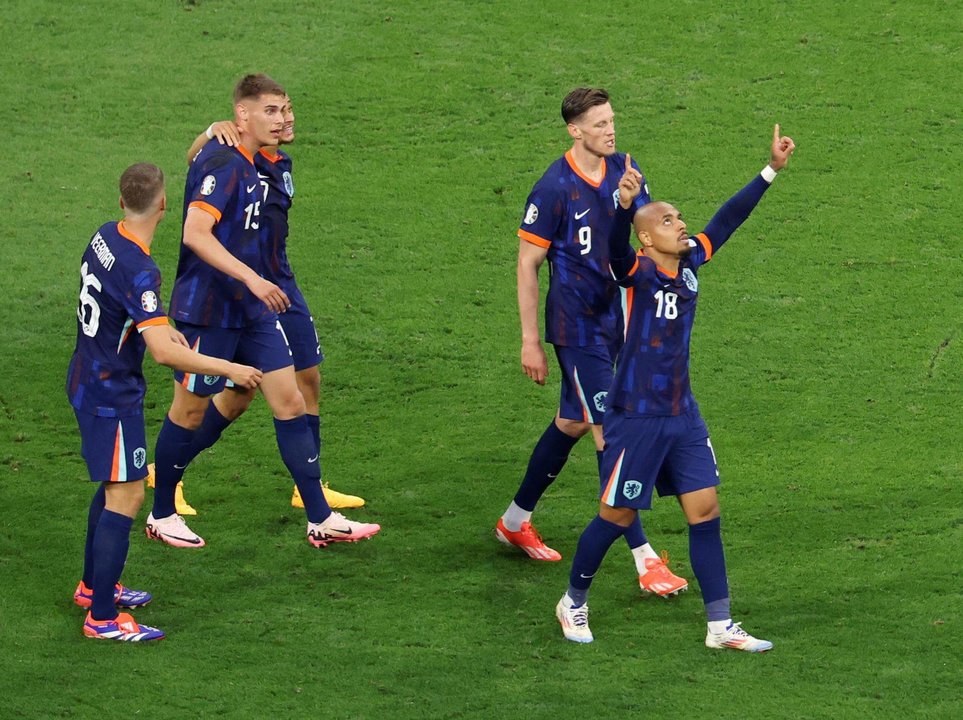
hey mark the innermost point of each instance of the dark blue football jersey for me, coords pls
(572, 216)
(277, 182)
(119, 298)
(223, 182)
(652, 369)
(659, 307)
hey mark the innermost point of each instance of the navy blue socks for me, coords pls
(172, 454)
(301, 456)
(547, 460)
(709, 566)
(111, 541)
(93, 517)
(593, 544)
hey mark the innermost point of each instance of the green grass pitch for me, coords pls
(828, 359)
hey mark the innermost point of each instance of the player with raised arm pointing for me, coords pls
(655, 437)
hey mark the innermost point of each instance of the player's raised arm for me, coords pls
(621, 253)
(199, 237)
(224, 130)
(737, 208)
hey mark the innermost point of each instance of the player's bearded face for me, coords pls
(596, 129)
(669, 234)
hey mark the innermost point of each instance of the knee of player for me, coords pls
(291, 405)
(573, 428)
(125, 498)
(234, 402)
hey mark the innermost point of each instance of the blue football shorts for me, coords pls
(298, 327)
(115, 449)
(671, 454)
(261, 345)
(586, 379)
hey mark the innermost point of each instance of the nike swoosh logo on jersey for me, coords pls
(252, 188)
(311, 460)
(180, 467)
(579, 216)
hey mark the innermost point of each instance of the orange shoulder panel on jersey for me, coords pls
(206, 207)
(124, 232)
(151, 322)
(706, 245)
(534, 239)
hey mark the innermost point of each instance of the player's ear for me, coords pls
(121, 201)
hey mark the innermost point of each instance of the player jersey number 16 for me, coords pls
(88, 302)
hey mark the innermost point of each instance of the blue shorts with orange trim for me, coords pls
(670, 454)
(115, 449)
(261, 345)
(302, 337)
(586, 379)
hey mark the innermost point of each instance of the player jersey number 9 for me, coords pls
(585, 239)
(88, 302)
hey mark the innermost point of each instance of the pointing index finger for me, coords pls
(628, 162)
(775, 132)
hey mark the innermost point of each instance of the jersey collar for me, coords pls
(570, 159)
(122, 229)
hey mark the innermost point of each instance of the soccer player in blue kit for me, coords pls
(119, 314)
(274, 168)
(655, 437)
(567, 220)
(225, 307)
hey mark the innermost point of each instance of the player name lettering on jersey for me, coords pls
(102, 252)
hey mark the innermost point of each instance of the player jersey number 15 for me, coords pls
(253, 211)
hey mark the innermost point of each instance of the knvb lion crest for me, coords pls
(211, 379)
(632, 489)
(288, 183)
(690, 280)
(599, 401)
(140, 457)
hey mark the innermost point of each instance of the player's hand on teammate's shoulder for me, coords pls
(225, 131)
(245, 376)
(270, 294)
(630, 185)
(782, 148)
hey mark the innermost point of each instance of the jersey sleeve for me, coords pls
(543, 216)
(214, 183)
(731, 215)
(141, 298)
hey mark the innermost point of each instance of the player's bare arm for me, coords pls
(534, 361)
(168, 352)
(226, 133)
(198, 236)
